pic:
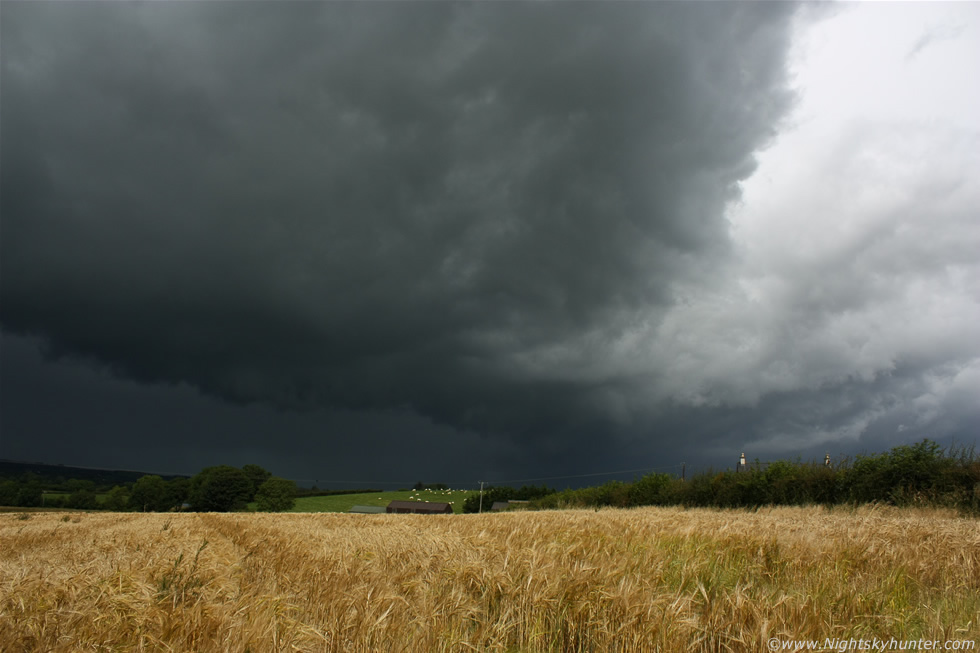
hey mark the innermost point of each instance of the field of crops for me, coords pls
(616, 580)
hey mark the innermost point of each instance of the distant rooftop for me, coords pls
(420, 507)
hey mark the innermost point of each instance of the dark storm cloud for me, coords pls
(452, 208)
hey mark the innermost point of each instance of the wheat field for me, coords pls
(647, 579)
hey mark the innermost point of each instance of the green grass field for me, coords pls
(63, 496)
(344, 502)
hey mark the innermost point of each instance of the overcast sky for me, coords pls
(379, 243)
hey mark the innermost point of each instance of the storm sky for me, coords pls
(374, 243)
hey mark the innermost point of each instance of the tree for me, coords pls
(220, 489)
(116, 499)
(82, 500)
(276, 495)
(8, 493)
(257, 476)
(150, 493)
(30, 495)
(79, 485)
(179, 490)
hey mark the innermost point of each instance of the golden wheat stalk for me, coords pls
(617, 580)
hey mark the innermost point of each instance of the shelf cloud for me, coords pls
(561, 233)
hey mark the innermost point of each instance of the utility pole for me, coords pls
(481, 497)
(683, 470)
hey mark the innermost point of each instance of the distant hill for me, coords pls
(56, 474)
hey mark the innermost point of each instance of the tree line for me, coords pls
(921, 474)
(221, 488)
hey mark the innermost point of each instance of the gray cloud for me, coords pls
(371, 205)
(509, 223)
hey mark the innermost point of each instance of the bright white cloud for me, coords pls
(857, 237)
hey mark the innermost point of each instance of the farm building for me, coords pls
(420, 507)
(368, 510)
